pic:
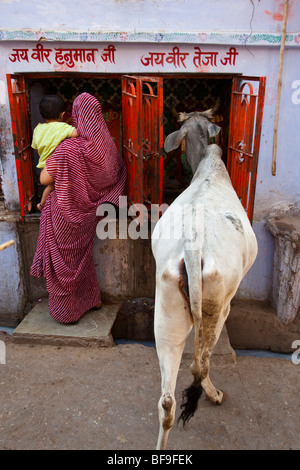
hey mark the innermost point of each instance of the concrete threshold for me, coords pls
(93, 328)
(255, 325)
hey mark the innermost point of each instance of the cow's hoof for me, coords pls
(222, 397)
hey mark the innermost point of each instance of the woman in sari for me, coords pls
(87, 171)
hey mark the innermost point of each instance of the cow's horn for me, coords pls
(182, 117)
(211, 112)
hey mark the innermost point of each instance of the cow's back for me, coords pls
(210, 208)
(229, 243)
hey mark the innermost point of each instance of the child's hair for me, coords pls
(51, 106)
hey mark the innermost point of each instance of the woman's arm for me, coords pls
(45, 178)
(75, 133)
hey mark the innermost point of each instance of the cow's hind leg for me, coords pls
(207, 333)
(212, 327)
(169, 359)
(173, 323)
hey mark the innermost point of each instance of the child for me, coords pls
(47, 136)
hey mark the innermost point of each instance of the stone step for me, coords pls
(255, 325)
(93, 329)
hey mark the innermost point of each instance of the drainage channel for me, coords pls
(261, 353)
(151, 344)
(239, 352)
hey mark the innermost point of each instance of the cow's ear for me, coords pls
(174, 140)
(213, 130)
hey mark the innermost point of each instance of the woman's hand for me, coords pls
(45, 178)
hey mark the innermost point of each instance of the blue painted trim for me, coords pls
(253, 39)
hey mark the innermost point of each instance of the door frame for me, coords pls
(26, 205)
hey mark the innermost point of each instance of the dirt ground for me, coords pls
(68, 398)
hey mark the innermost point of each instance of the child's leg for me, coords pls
(46, 193)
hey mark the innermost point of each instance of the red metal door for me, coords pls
(22, 140)
(246, 112)
(142, 108)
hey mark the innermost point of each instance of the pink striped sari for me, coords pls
(87, 171)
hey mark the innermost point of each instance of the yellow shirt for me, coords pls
(46, 138)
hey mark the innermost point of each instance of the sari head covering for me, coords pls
(87, 172)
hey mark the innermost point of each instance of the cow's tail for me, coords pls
(191, 274)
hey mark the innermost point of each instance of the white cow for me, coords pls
(203, 246)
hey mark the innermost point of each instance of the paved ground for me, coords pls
(66, 397)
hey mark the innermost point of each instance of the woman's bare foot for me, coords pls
(98, 306)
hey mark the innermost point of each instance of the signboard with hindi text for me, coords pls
(122, 58)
